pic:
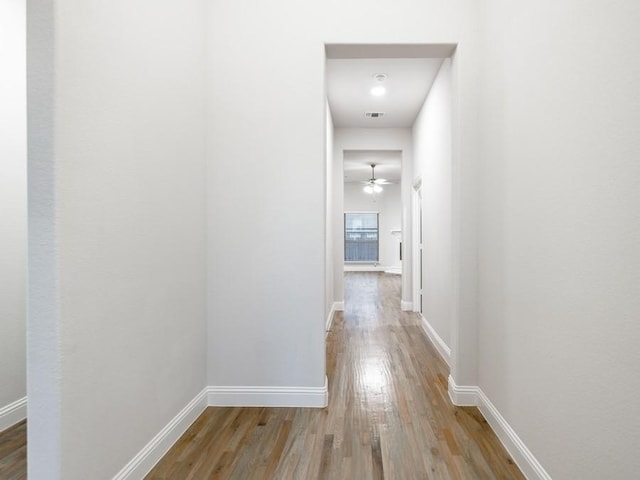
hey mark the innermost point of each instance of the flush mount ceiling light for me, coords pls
(379, 90)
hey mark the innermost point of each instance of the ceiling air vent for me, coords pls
(374, 114)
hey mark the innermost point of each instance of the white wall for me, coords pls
(544, 158)
(13, 202)
(372, 139)
(266, 200)
(117, 213)
(432, 164)
(560, 230)
(389, 207)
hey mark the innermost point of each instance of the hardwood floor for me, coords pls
(13, 452)
(389, 416)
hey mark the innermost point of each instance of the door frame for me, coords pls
(416, 201)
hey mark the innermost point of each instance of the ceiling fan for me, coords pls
(373, 184)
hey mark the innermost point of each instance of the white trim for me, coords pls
(366, 267)
(338, 306)
(13, 413)
(329, 321)
(436, 340)
(521, 455)
(146, 459)
(153, 451)
(416, 246)
(268, 396)
(406, 306)
(530, 466)
(394, 270)
(462, 396)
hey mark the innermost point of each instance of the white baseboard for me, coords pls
(436, 340)
(393, 270)
(406, 306)
(364, 268)
(329, 320)
(521, 455)
(530, 466)
(462, 396)
(147, 458)
(268, 396)
(13, 413)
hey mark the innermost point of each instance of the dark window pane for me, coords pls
(361, 237)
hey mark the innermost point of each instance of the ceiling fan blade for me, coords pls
(379, 180)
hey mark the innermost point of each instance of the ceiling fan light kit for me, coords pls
(372, 185)
(372, 189)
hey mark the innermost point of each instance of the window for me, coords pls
(361, 237)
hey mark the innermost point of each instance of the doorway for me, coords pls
(366, 113)
(372, 211)
(418, 273)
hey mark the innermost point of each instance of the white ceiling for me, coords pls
(349, 83)
(357, 165)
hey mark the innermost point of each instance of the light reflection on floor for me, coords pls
(365, 315)
(373, 377)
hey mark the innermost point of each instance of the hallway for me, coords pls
(388, 417)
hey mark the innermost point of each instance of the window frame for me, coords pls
(344, 237)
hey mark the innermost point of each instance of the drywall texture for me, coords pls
(387, 204)
(117, 206)
(266, 217)
(13, 201)
(432, 165)
(373, 139)
(559, 230)
(544, 162)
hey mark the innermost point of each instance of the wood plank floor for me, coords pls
(389, 416)
(13, 452)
